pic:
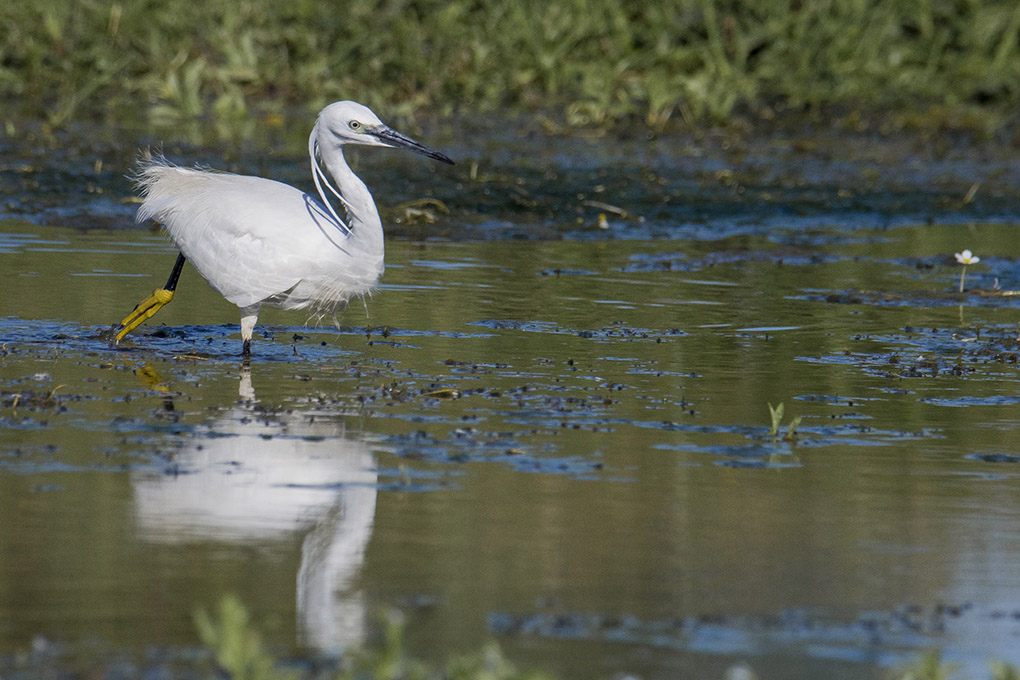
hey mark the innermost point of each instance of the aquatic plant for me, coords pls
(235, 643)
(240, 654)
(238, 649)
(929, 667)
(777, 419)
(1003, 671)
(965, 258)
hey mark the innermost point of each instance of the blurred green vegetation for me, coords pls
(239, 653)
(580, 62)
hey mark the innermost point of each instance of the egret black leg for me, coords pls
(175, 273)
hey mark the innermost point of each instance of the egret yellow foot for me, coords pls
(144, 310)
(152, 304)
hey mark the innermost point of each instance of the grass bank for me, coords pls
(582, 62)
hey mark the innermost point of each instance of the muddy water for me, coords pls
(564, 444)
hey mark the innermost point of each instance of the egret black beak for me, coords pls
(391, 137)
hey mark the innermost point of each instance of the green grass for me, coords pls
(582, 62)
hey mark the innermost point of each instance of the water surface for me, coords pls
(562, 441)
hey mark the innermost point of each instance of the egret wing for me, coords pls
(252, 239)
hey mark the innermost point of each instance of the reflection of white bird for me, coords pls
(258, 480)
(331, 611)
(260, 242)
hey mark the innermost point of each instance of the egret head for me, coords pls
(352, 123)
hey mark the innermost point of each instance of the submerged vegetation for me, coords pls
(598, 62)
(239, 654)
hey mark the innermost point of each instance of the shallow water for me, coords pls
(561, 443)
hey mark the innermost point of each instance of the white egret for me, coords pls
(261, 242)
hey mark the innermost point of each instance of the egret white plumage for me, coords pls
(261, 242)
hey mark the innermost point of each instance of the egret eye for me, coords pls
(355, 125)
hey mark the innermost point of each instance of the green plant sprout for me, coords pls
(777, 419)
(235, 644)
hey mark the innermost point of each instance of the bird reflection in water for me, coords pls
(256, 476)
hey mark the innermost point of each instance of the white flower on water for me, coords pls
(967, 257)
